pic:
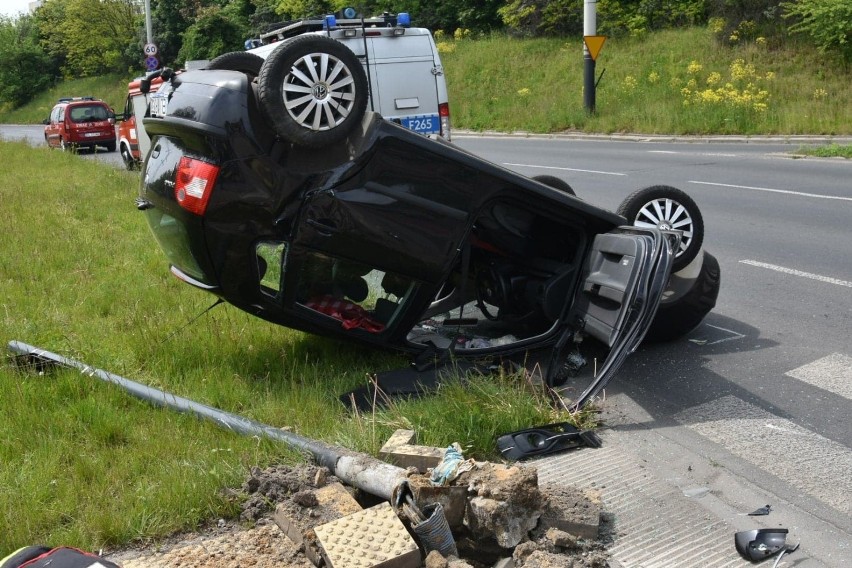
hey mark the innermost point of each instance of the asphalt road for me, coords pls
(752, 407)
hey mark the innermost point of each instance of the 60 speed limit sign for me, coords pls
(150, 49)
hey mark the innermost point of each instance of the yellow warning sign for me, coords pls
(594, 45)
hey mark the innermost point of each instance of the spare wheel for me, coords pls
(313, 90)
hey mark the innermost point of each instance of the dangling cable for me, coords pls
(184, 326)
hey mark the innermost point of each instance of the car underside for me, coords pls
(395, 240)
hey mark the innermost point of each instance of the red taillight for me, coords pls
(194, 184)
(444, 113)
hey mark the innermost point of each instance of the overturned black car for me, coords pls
(313, 213)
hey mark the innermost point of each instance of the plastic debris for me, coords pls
(760, 512)
(451, 466)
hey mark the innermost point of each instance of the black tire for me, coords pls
(677, 318)
(555, 182)
(248, 63)
(127, 158)
(667, 207)
(110, 146)
(313, 90)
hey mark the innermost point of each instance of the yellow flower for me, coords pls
(446, 47)
(714, 78)
(653, 77)
(694, 67)
(770, 75)
(760, 41)
(716, 25)
(820, 94)
(524, 92)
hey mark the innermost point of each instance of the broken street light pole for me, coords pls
(359, 470)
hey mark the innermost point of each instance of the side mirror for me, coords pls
(144, 86)
(759, 544)
(46, 121)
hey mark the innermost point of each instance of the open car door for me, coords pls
(622, 284)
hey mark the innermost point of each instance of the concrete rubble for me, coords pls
(498, 514)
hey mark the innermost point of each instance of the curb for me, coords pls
(756, 139)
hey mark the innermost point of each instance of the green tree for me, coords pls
(169, 20)
(211, 35)
(25, 69)
(615, 17)
(297, 9)
(828, 23)
(91, 37)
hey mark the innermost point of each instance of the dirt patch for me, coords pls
(255, 540)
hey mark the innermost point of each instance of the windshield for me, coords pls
(88, 113)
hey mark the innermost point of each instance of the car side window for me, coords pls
(359, 296)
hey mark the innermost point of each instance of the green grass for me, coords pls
(828, 151)
(84, 464)
(536, 85)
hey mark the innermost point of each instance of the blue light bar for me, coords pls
(403, 19)
(330, 22)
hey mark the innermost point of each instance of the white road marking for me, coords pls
(563, 169)
(711, 154)
(786, 191)
(832, 373)
(794, 272)
(807, 461)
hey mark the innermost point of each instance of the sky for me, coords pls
(13, 7)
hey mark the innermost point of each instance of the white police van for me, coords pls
(406, 82)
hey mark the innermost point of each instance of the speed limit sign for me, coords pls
(150, 49)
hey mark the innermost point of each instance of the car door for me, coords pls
(388, 238)
(623, 281)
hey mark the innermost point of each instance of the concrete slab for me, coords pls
(401, 451)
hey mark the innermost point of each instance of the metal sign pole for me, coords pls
(589, 29)
(148, 31)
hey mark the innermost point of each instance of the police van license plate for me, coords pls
(159, 104)
(424, 124)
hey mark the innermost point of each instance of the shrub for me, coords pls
(828, 23)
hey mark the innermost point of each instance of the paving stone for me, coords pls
(372, 538)
(297, 522)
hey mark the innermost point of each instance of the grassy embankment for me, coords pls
(82, 464)
(672, 82)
